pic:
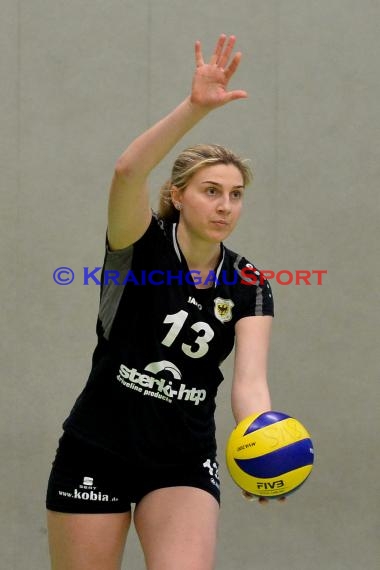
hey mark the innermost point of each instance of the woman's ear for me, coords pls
(176, 197)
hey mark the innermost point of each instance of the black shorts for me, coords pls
(88, 479)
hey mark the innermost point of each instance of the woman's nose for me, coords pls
(224, 204)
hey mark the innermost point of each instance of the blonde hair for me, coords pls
(190, 161)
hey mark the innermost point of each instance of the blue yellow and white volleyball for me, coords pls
(269, 454)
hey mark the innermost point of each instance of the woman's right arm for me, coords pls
(128, 209)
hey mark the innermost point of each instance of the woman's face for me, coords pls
(212, 202)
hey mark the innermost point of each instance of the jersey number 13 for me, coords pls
(201, 341)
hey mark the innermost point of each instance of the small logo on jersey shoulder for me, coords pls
(223, 309)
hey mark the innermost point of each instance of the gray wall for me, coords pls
(79, 79)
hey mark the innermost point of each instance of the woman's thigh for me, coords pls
(87, 541)
(177, 528)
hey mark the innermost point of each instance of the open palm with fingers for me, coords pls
(210, 81)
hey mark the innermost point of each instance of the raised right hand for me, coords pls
(210, 81)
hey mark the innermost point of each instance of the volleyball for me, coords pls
(269, 454)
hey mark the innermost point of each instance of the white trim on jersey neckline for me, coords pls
(180, 255)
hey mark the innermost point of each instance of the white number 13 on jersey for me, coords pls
(202, 340)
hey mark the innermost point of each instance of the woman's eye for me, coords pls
(236, 194)
(211, 191)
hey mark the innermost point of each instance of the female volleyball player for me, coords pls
(173, 301)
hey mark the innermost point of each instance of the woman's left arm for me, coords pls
(250, 392)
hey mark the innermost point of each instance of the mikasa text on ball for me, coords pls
(269, 454)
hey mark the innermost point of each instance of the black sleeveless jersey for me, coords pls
(151, 392)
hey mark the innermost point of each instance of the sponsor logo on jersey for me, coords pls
(159, 388)
(161, 365)
(192, 301)
(223, 309)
